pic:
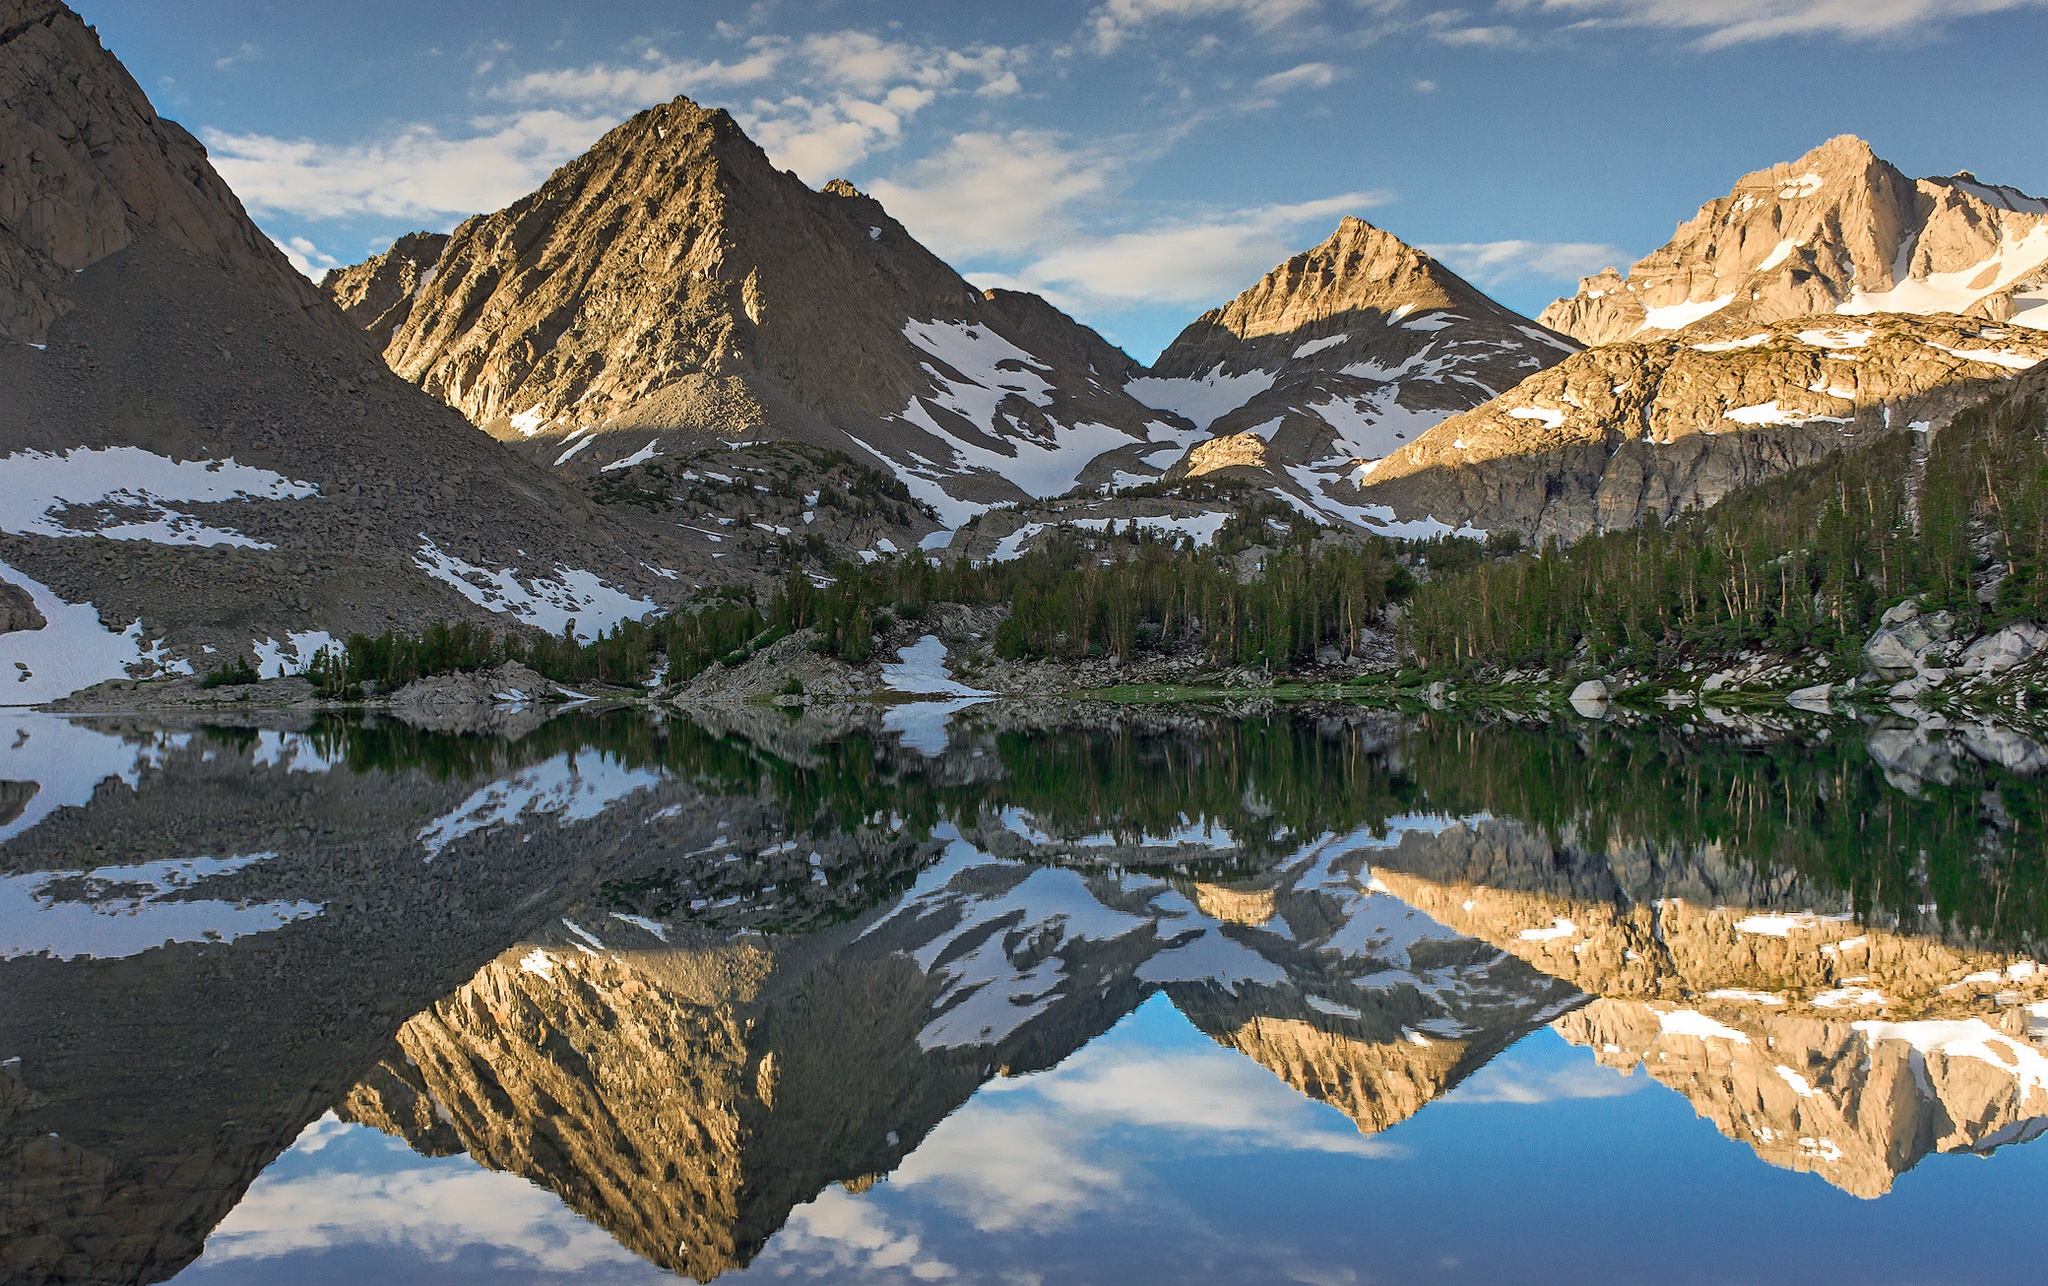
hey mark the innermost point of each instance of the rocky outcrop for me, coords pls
(671, 289)
(1675, 424)
(1838, 230)
(377, 294)
(1341, 354)
(206, 460)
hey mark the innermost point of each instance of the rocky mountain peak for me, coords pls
(377, 294)
(1343, 353)
(1359, 268)
(672, 281)
(1838, 230)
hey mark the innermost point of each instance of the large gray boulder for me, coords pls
(2011, 646)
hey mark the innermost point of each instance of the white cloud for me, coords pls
(1425, 87)
(1488, 263)
(657, 80)
(1116, 20)
(821, 104)
(989, 193)
(1484, 37)
(1306, 76)
(309, 259)
(417, 174)
(1732, 22)
(1189, 262)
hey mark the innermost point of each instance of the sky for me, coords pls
(1135, 161)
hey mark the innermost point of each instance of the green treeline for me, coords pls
(1808, 560)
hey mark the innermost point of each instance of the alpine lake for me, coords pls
(1063, 994)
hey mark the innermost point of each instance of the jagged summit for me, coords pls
(673, 281)
(1838, 230)
(1341, 354)
(1358, 269)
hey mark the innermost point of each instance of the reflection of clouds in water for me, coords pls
(432, 1209)
(856, 1237)
(1222, 1094)
(1508, 1081)
(1012, 1166)
(1031, 1151)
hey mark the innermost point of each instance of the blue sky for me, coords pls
(1136, 161)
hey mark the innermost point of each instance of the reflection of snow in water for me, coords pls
(115, 911)
(997, 934)
(62, 762)
(567, 787)
(923, 724)
(922, 671)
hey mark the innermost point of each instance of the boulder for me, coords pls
(2011, 646)
(1814, 698)
(1894, 652)
(1902, 613)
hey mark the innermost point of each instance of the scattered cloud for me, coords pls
(1734, 22)
(819, 104)
(309, 259)
(417, 174)
(1197, 261)
(858, 1240)
(1306, 76)
(1489, 263)
(1496, 37)
(1425, 87)
(244, 52)
(986, 193)
(1112, 23)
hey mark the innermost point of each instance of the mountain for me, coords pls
(377, 294)
(1675, 423)
(1343, 353)
(1836, 231)
(671, 290)
(199, 456)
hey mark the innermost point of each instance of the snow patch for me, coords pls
(1315, 346)
(1550, 419)
(572, 595)
(72, 650)
(1205, 399)
(139, 486)
(1679, 316)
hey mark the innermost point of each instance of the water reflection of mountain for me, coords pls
(688, 1096)
(859, 936)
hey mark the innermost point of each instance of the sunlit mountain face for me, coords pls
(1314, 996)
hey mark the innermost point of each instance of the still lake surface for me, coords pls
(1318, 995)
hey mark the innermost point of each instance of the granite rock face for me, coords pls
(1838, 230)
(1676, 423)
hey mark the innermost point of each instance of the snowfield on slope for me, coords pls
(37, 487)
